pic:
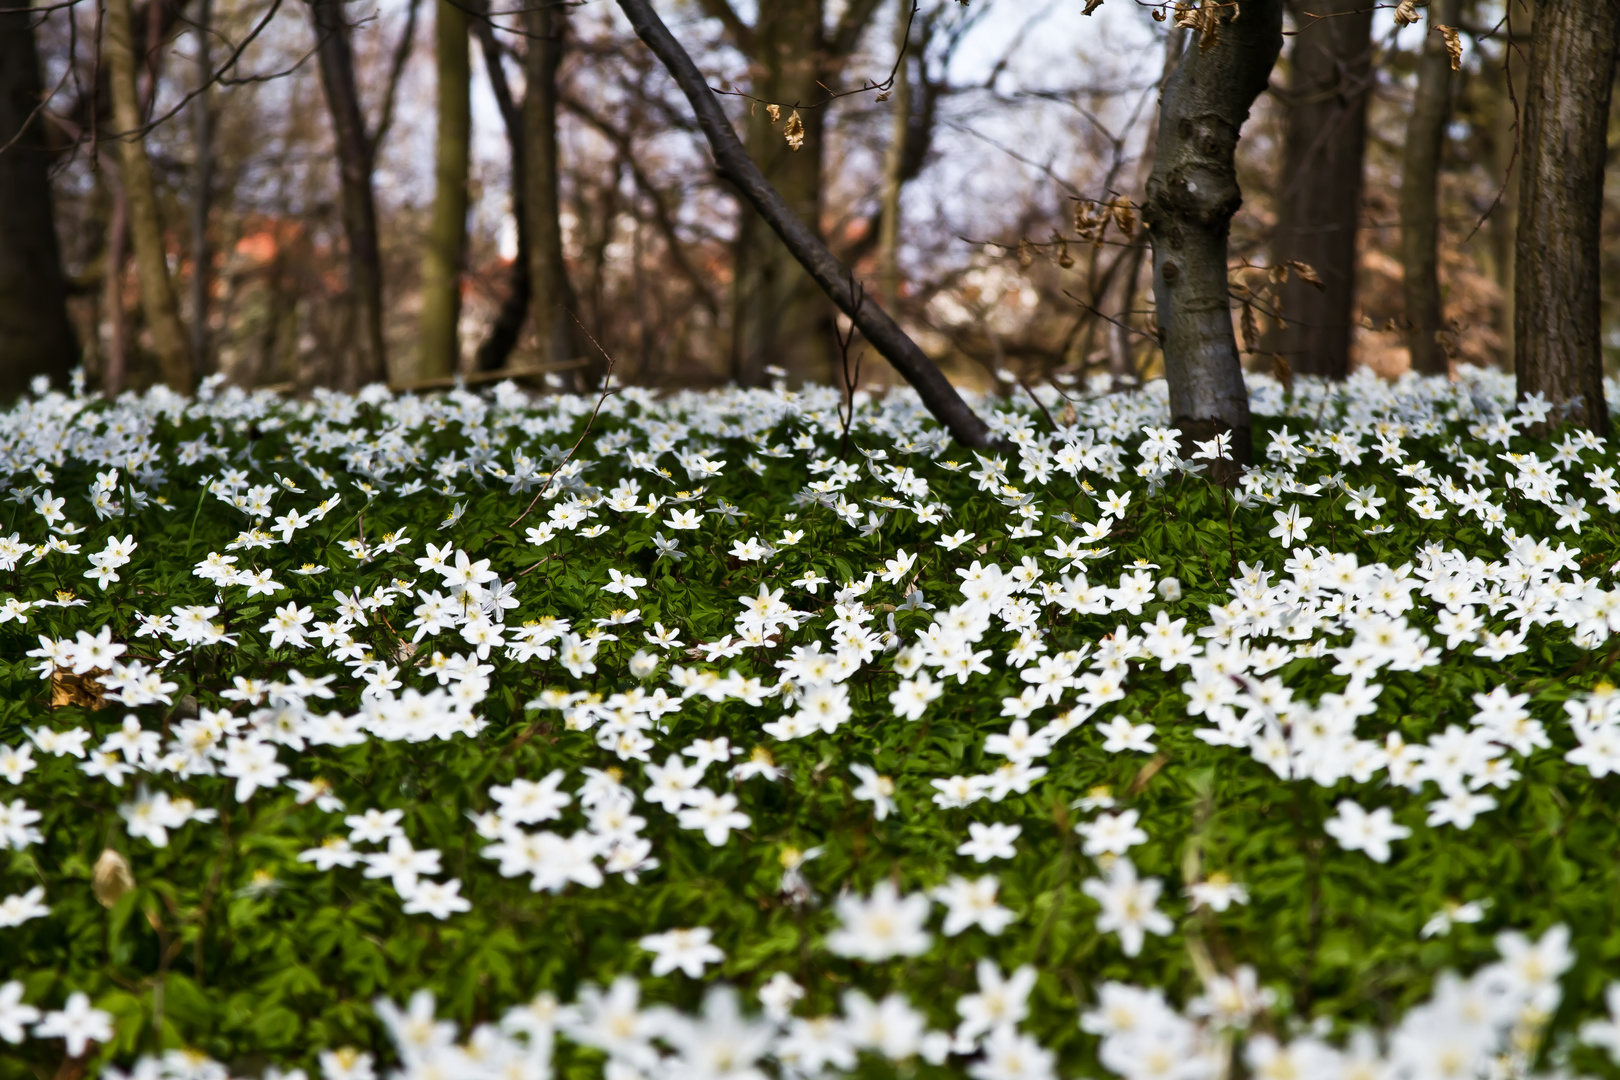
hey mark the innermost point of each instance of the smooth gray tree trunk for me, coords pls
(1191, 197)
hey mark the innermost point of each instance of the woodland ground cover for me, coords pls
(760, 746)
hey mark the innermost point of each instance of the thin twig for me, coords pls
(1039, 404)
(219, 77)
(1513, 157)
(402, 53)
(1109, 318)
(811, 252)
(607, 389)
(73, 44)
(95, 91)
(883, 87)
(851, 379)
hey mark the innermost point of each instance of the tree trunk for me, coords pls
(1319, 206)
(1505, 131)
(36, 337)
(367, 361)
(115, 366)
(1191, 197)
(503, 334)
(1420, 194)
(202, 184)
(894, 162)
(1558, 347)
(444, 252)
(158, 302)
(552, 298)
(779, 316)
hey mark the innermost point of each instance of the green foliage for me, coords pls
(231, 945)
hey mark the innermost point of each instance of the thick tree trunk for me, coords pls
(367, 361)
(1558, 348)
(894, 163)
(1119, 300)
(444, 252)
(1504, 220)
(1319, 205)
(36, 337)
(158, 303)
(1191, 197)
(202, 183)
(553, 304)
(503, 334)
(779, 316)
(1420, 194)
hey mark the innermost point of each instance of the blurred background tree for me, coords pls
(309, 210)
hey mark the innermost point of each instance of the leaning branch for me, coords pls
(835, 279)
(402, 54)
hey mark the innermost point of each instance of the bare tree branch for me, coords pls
(219, 77)
(73, 48)
(740, 33)
(661, 216)
(835, 279)
(852, 24)
(402, 53)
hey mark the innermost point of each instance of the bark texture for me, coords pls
(367, 360)
(835, 280)
(1191, 197)
(503, 334)
(779, 317)
(36, 337)
(158, 303)
(553, 304)
(1420, 194)
(1558, 347)
(444, 250)
(894, 163)
(115, 365)
(1319, 208)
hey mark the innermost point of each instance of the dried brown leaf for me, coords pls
(84, 690)
(1307, 273)
(1406, 13)
(111, 878)
(1251, 328)
(1282, 371)
(775, 112)
(1453, 45)
(1091, 5)
(794, 132)
(1124, 217)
